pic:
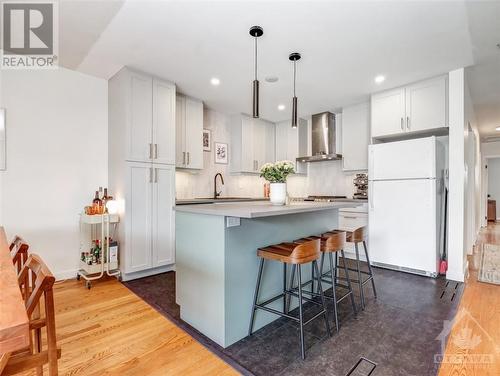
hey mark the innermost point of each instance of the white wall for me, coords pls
(456, 197)
(324, 178)
(56, 158)
(494, 182)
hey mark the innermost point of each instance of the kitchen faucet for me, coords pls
(217, 194)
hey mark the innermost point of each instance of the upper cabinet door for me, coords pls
(163, 238)
(138, 212)
(194, 133)
(180, 131)
(163, 122)
(426, 104)
(140, 119)
(388, 113)
(248, 162)
(269, 155)
(355, 137)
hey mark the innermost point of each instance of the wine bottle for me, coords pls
(97, 201)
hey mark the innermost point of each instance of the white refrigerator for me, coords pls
(406, 190)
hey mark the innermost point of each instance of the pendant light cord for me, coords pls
(255, 57)
(294, 75)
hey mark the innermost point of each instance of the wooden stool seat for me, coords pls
(290, 253)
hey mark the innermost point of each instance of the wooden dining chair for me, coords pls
(19, 252)
(36, 281)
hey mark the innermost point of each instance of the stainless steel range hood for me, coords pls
(323, 139)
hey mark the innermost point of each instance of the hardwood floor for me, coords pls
(474, 345)
(108, 330)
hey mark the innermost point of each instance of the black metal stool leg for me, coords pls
(320, 275)
(334, 284)
(312, 279)
(370, 269)
(256, 296)
(290, 287)
(336, 266)
(349, 284)
(360, 280)
(284, 288)
(301, 317)
(320, 288)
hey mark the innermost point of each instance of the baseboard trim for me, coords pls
(147, 273)
(66, 274)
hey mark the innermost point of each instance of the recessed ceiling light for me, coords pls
(281, 107)
(379, 79)
(215, 81)
(498, 129)
(271, 79)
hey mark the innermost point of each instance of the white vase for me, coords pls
(278, 193)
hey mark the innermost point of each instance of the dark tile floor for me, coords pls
(397, 331)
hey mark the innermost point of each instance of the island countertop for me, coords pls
(262, 209)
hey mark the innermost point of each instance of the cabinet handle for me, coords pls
(151, 175)
(150, 151)
(407, 122)
(188, 159)
(402, 124)
(183, 157)
(349, 217)
(156, 151)
(156, 175)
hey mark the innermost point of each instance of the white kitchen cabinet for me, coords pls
(414, 109)
(426, 105)
(141, 170)
(252, 144)
(138, 206)
(189, 133)
(140, 119)
(388, 112)
(149, 216)
(163, 220)
(355, 137)
(147, 105)
(291, 143)
(163, 122)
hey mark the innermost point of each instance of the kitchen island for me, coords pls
(217, 264)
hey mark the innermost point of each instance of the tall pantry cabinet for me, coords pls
(142, 170)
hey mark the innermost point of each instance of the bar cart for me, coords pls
(103, 260)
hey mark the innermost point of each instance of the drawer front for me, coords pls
(352, 221)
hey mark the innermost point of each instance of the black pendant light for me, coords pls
(256, 32)
(294, 57)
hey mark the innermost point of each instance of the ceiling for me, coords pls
(344, 45)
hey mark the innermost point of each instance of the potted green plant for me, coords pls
(276, 174)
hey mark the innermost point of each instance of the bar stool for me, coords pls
(332, 242)
(295, 255)
(359, 236)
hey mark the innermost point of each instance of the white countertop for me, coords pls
(261, 209)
